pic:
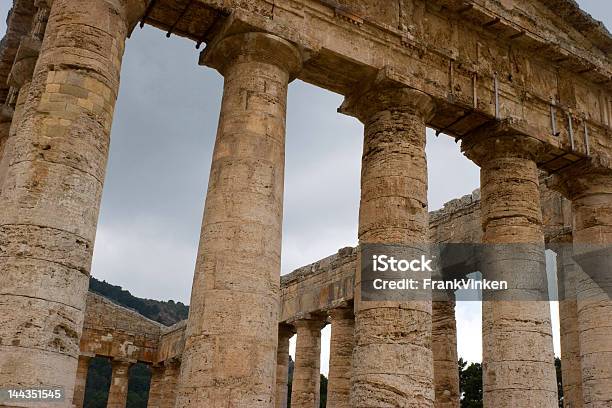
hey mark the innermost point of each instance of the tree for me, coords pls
(470, 384)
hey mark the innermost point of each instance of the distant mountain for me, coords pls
(166, 313)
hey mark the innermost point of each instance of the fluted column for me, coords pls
(340, 357)
(392, 358)
(589, 187)
(118, 391)
(518, 358)
(305, 389)
(51, 194)
(568, 318)
(285, 332)
(232, 331)
(155, 386)
(169, 383)
(444, 347)
(81, 381)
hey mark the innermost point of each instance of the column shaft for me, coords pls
(340, 358)
(118, 391)
(81, 381)
(392, 359)
(51, 194)
(518, 358)
(5, 126)
(169, 384)
(231, 336)
(155, 386)
(282, 365)
(305, 391)
(590, 188)
(444, 347)
(568, 319)
(7, 149)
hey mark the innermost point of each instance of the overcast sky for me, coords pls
(162, 140)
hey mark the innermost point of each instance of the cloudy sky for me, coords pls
(162, 140)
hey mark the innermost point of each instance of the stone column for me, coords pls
(169, 383)
(568, 319)
(231, 336)
(589, 187)
(81, 381)
(518, 358)
(392, 358)
(155, 386)
(51, 194)
(305, 389)
(118, 391)
(340, 357)
(285, 332)
(444, 347)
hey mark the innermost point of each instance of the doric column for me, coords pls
(392, 359)
(51, 194)
(231, 337)
(285, 332)
(589, 186)
(118, 391)
(340, 357)
(571, 372)
(170, 378)
(444, 347)
(518, 358)
(81, 381)
(305, 389)
(155, 386)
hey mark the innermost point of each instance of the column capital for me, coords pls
(310, 323)
(386, 93)
(341, 313)
(24, 62)
(285, 331)
(230, 49)
(587, 177)
(497, 139)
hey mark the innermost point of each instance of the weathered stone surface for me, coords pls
(340, 357)
(117, 394)
(51, 193)
(392, 359)
(518, 359)
(305, 391)
(285, 332)
(231, 338)
(155, 386)
(81, 380)
(589, 187)
(169, 383)
(444, 348)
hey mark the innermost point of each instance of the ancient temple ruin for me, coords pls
(525, 85)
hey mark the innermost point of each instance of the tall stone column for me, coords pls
(51, 194)
(518, 358)
(169, 383)
(78, 397)
(340, 357)
(392, 358)
(589, 187)
(568, 318)
(285, 332)
(305, 389)
(155, 386)
(231, 337)
(444, 347)
(118, 391)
